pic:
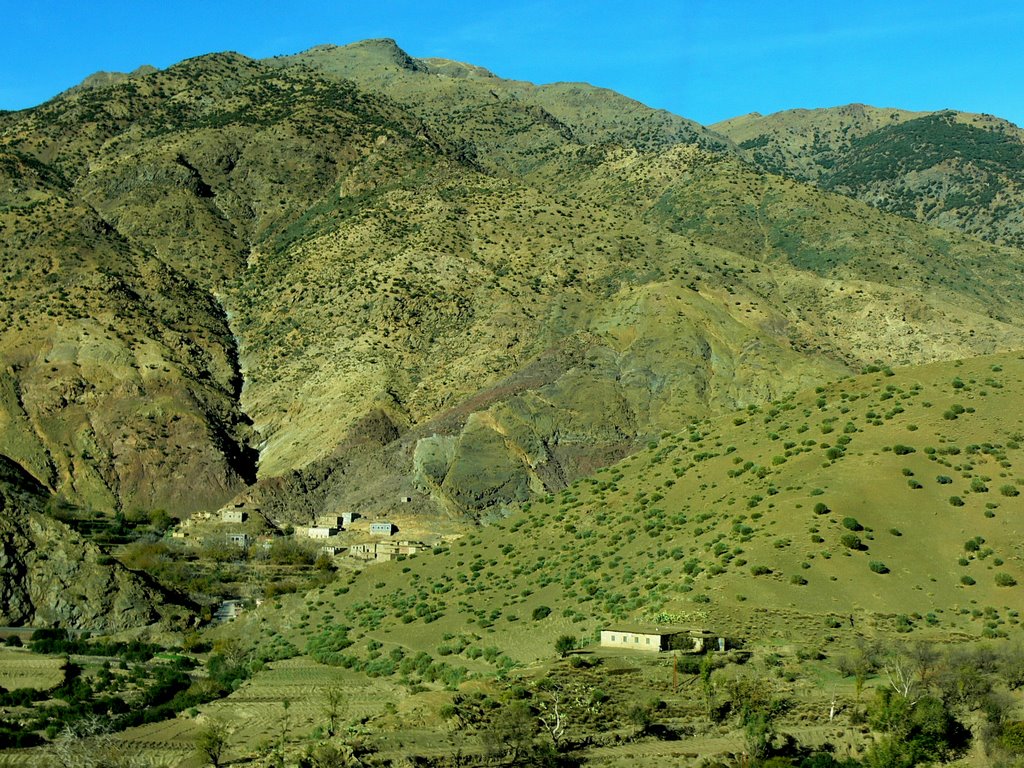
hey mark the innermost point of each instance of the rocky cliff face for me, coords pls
(50, 576)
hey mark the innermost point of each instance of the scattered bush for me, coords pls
(326, 647)
(541, 612)
(851, 541)
(1004, 579)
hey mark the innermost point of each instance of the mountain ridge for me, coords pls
(956, 170)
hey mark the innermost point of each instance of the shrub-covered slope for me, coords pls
(422, 281)
(954, 170)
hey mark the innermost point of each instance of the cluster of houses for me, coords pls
(377, 550)
(324, 530)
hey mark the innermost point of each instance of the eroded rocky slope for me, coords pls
(51, 576)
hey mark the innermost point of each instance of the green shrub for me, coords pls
(326, 647)
(1009, 490)
(956, 501)
(877, 566)
(903, 450)
(541, 612)
(1011, 737)
(1004, 579)
(851, 541)
(851, 523)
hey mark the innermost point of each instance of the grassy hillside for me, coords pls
(847, 525)
(890, 501)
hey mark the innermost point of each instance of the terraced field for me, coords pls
(21, 669)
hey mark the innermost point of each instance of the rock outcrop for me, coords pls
(51, 576)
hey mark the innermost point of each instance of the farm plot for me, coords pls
(21, 669)
(287, 700)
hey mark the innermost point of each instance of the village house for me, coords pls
(384, 551)
(411, 547)
(239, 539)
(347, 518)
(655, 639)
(330, 521)
(364, 551)
(232, 516)
(320, 532)
(382, 528)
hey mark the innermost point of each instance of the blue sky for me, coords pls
(703, 59)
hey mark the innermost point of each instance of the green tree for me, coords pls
(212, 742)
(922, 729)
(511, 732)
(334, 701)
(564, 644)
(758, 735)
(641, 715)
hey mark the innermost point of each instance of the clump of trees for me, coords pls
(925, 696)
(59, 642)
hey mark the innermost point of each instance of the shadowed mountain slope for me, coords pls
(51, 576)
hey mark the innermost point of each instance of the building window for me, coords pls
(648, 641)
(636, 639)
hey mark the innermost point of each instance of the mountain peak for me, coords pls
(381, 52)
(105, 79)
